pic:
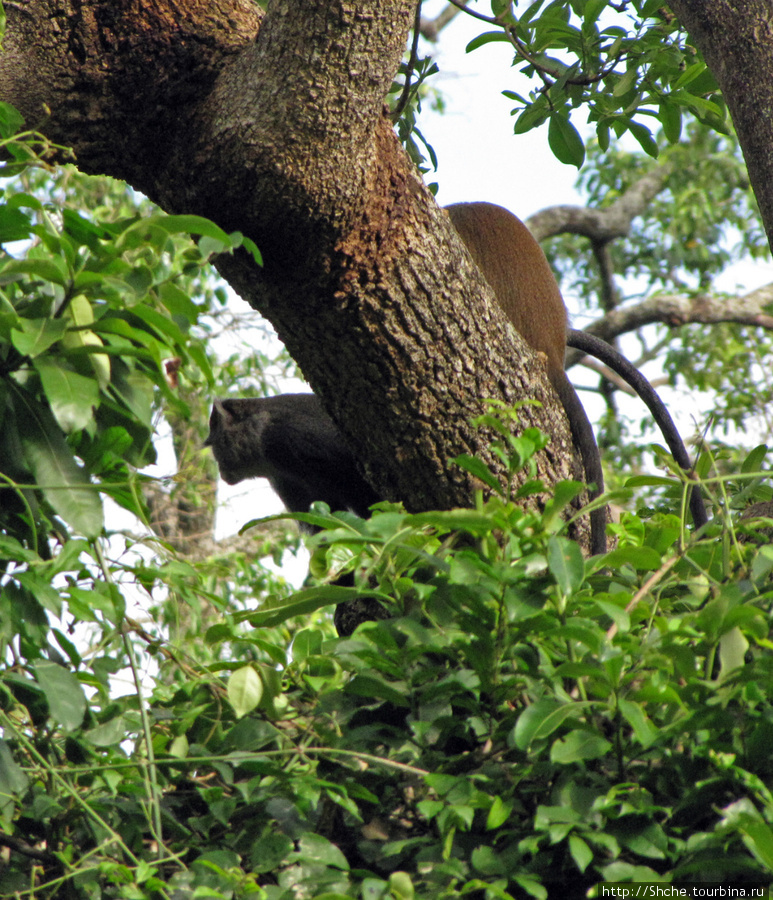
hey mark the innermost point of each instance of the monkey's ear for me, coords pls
(218, 420)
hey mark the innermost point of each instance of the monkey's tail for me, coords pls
(595, 346)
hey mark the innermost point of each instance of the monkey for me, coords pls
(516, 269)
(290, 440)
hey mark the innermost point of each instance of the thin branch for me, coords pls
(462, 7)
(644, 590)
(25, 849)
(430, 28)
(546, 72)
(405, 95)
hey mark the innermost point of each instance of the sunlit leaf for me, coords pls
(72, 397)
(579, 745)
(34, 336)
(244, 690)
(566, 563)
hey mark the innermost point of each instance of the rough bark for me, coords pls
(273, 125)
(736, 40)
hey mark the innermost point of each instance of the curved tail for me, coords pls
(595, 346)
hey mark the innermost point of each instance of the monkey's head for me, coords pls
(235, 436)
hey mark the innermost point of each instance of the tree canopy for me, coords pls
(175, 719)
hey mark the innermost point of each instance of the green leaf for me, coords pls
(108, 733)
(758, 837)
(540, 720)
(649, 481)
(371, 686)
(244, 690)
(479, 470)
(34, 336)
(178, 302)
(302, 603)
(270, 850)
(315, 848)
(762, 563)
(64, 483)
(531, 885)
(41, 589)
(15, 225)
(498, 814)
(566, 564)
(643, 729)
(401, 886)
(732, 650)
(565, 141)
(11, 120)
(306, 643)
(593, 9)
(670, 116)
(64, 694)
(581, 852)
(82, 230)
(13, 781)
(445, 520)
(252, 248)
(187, 224)
(650, 841)
(577, 746)
(625, 82)
(487, 37)
(45, 269)
(644, 136)
(645, 559)
(72, 397)
(754, 460)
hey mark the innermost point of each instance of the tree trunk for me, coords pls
(274, 125)
(736, 40)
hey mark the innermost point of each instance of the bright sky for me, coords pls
(479, 157)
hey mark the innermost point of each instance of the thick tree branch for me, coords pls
(674, 310)
(601, 225)
(276, 128)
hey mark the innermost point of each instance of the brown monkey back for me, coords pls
(519, 274)
(513, 264)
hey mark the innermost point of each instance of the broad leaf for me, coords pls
(64, 694)
(72, 397)
(64, 483)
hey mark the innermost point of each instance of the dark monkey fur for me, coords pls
(291, 440)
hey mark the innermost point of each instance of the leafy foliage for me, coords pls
(626, 64)
(524, 720)
(702, 220)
